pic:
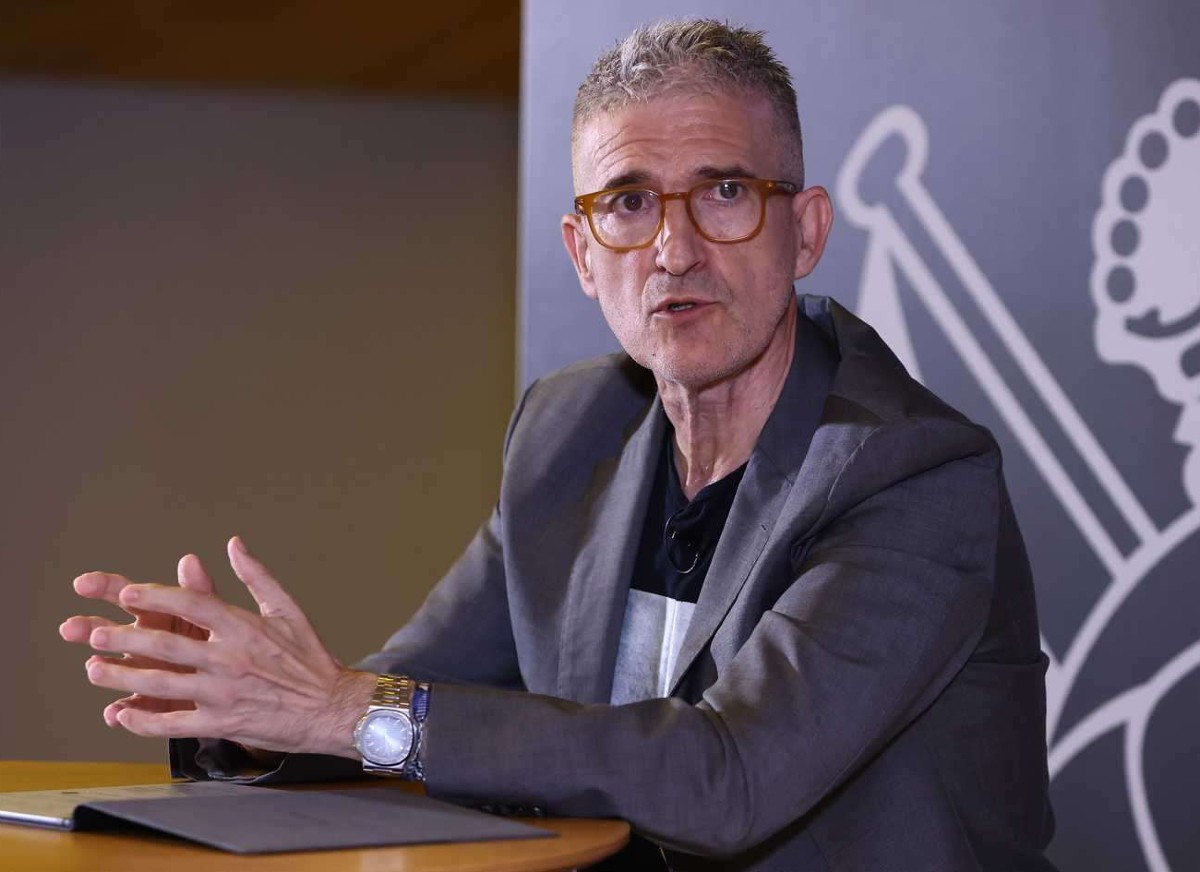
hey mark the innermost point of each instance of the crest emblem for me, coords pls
(1145, 286)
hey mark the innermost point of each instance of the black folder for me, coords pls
(246, 819)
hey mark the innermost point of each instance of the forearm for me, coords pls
(635, 762)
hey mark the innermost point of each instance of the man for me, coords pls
(747, 586)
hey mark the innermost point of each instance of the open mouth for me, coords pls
(678, 306)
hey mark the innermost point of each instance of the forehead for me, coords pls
(674, 140)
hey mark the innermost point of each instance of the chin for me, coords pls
(693, 375)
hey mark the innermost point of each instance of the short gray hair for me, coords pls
(693, 55)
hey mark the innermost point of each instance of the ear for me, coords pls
(579, 249)
(812, 219)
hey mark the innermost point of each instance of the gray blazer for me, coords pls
(861, 686)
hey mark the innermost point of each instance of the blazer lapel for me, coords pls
(770, 473)
(600, 576)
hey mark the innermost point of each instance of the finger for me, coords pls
(142, 703)
(124, 663)
(273, 601)
(99, 658)
(105, 586)
(110, 711)
(79, 628)
(193, 576)
(138, 661)
(159, 683)
(166, 648)
(203, 610)
(166, 725)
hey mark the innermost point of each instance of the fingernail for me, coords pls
(100, 638)
(239, 544)
(130, 595)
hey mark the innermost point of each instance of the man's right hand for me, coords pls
(107, 586)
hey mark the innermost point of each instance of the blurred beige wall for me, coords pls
(285, 318)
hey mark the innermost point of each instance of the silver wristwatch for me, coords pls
(388, 736)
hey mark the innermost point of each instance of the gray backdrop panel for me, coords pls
(1018, 195)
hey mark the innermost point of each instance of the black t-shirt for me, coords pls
(674, 553)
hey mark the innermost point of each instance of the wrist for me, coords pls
(351, 697)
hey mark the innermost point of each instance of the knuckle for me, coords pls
(233, 663)
(169, 646)
(225, 697)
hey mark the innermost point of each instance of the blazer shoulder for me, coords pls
(869, 375)
(878, 419)
(586, 409)
(596, 377)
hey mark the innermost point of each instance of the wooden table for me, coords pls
(580, 842)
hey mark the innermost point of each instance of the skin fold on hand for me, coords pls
(195, 665)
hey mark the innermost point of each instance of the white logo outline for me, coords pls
(890, 250)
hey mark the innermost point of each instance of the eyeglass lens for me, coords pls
(722, 210)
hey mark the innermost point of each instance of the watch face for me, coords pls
(385, 738)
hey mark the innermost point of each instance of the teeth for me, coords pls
(679, 307)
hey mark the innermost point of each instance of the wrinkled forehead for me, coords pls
(686, 129)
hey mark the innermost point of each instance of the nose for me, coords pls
(679, 246)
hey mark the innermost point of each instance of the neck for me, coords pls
(717, 425)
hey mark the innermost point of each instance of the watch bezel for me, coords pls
(392, 714)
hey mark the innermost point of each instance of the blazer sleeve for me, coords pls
(887, 604)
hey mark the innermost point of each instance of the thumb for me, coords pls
(193, 576)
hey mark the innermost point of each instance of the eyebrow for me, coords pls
(641, 177)
(636, 177)
(733, 171)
